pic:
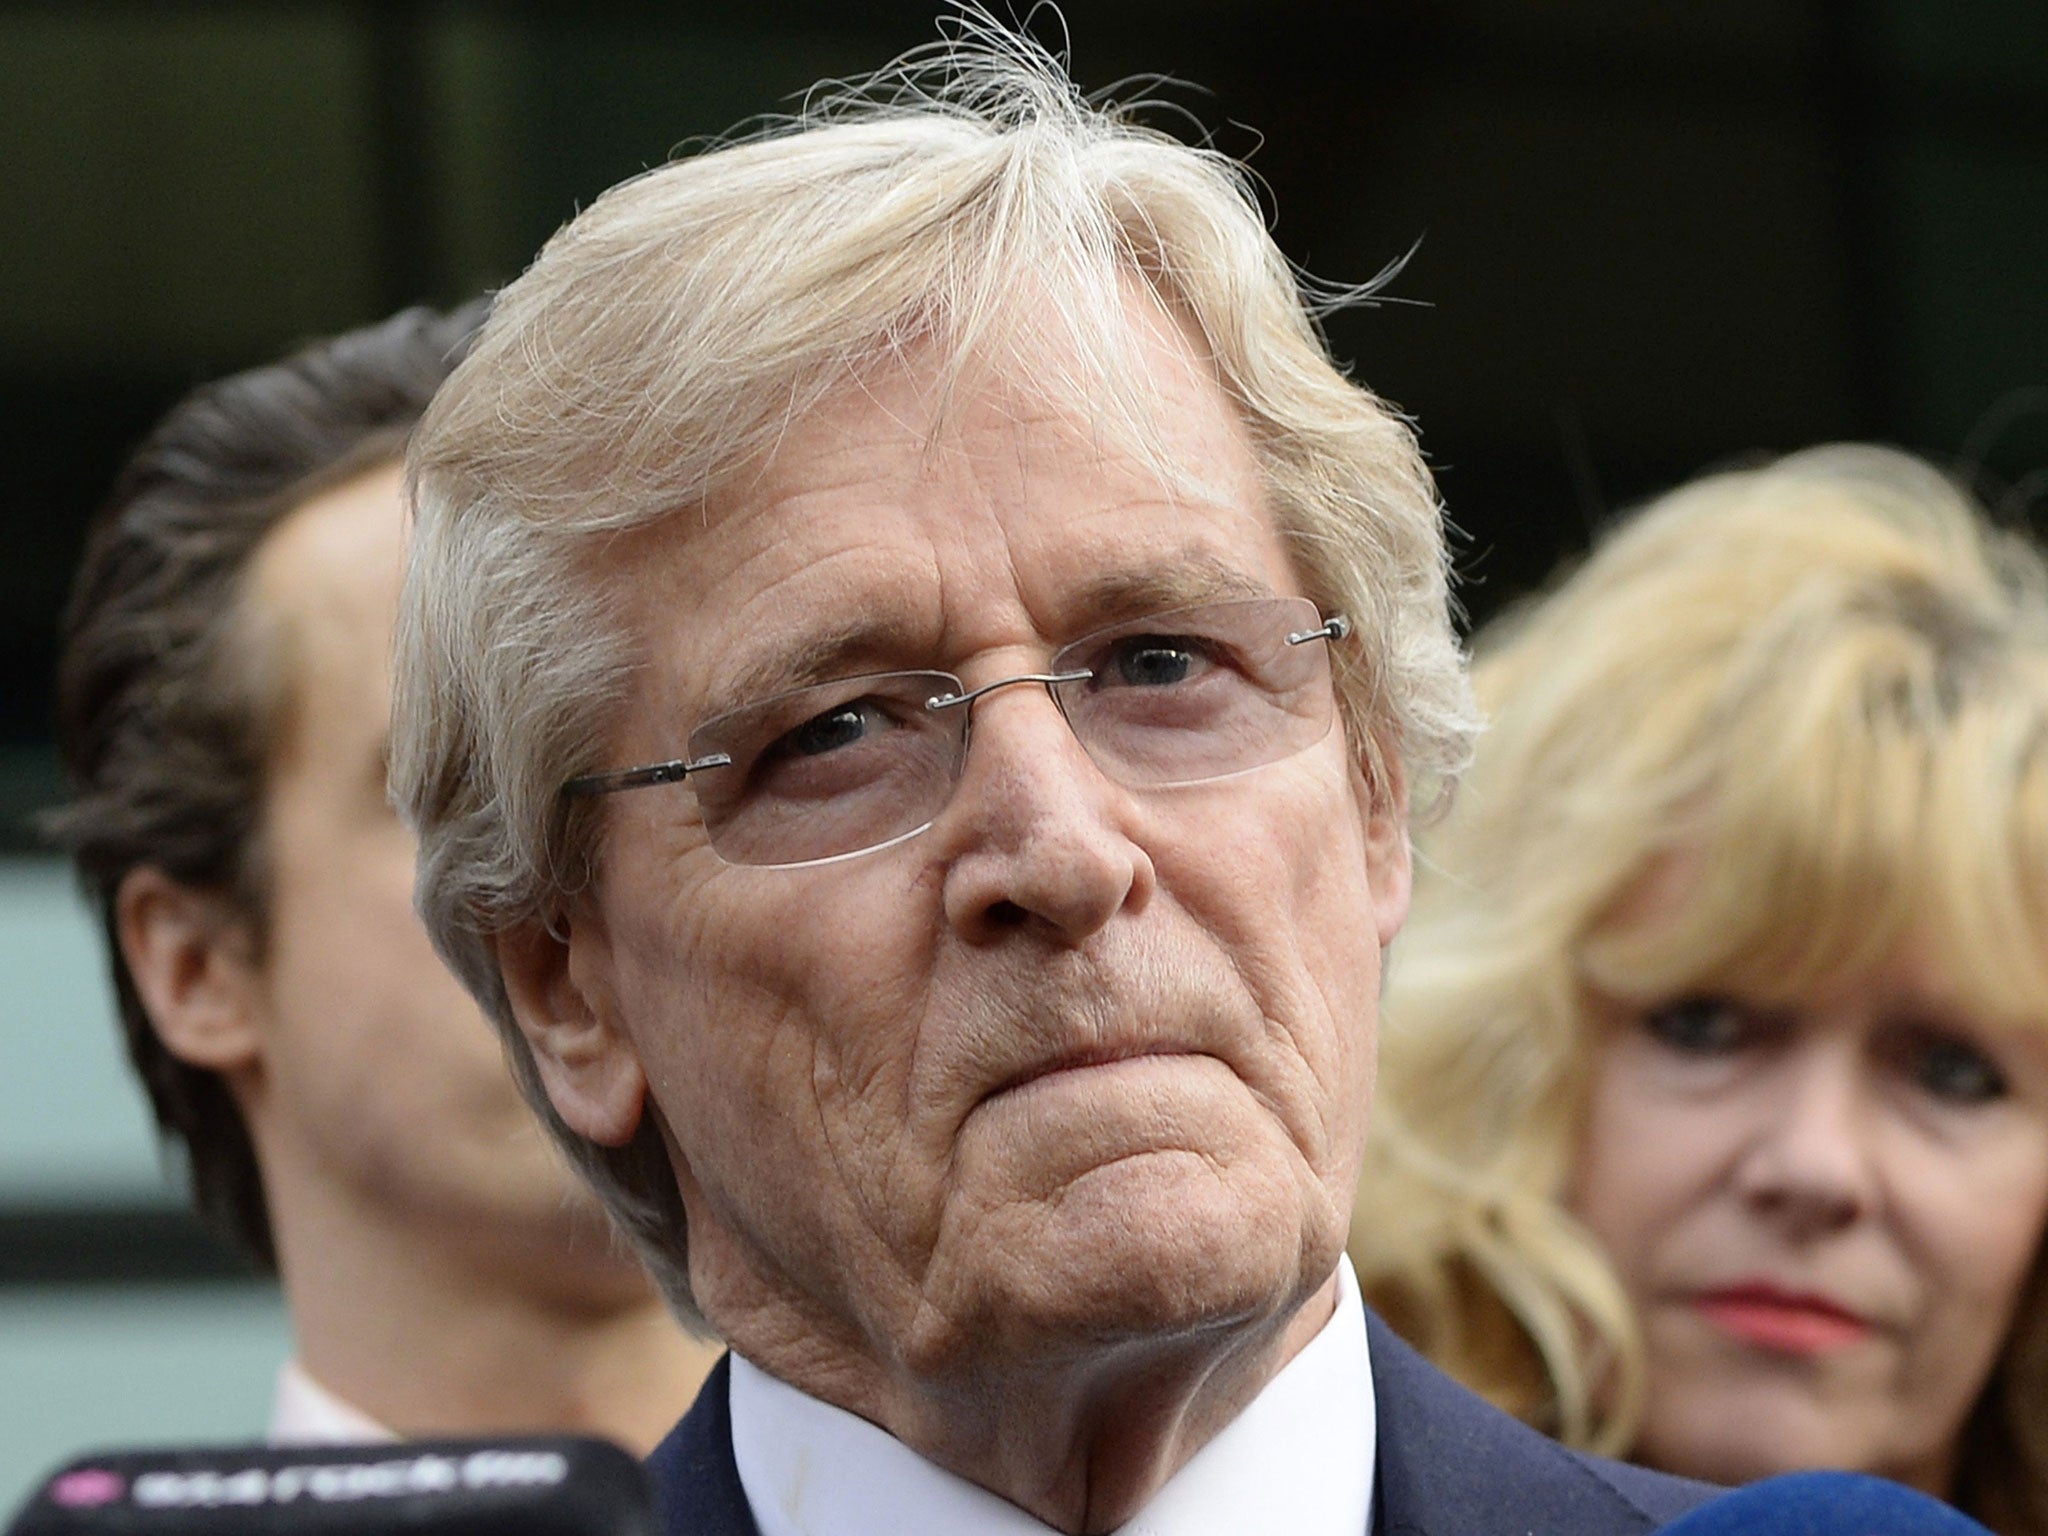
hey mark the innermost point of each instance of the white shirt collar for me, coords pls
(305, 1413)
(1298, 1459)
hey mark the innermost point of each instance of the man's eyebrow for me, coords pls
(867, 644)
(1120, 595)
(878, 643)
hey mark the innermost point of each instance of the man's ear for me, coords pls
(557, 985)
(1389, 864)
(193, 959)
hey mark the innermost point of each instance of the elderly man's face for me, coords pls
(1078, 1066)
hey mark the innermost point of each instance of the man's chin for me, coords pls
(1149, 1248)
(1052, 1136)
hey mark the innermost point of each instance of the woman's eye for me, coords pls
(1700, 1026)
(1953, 1069)
(1151, 661)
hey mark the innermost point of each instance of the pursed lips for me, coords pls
(1082, 1059)
(1782, 1319)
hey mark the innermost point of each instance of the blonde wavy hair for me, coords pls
(1826, 679)
(967, 197)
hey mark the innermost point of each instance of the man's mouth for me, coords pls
(1081, 1060)
(1782, 1320)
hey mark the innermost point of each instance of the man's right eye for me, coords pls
(839, 727)
(1700, 1026)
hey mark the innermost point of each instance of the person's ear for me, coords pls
(193, 958)
(556, 979)
(1388, 861)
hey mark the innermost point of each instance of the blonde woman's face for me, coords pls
(1824, 1214)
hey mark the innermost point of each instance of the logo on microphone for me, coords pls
(87, 1488)
(483, 1471)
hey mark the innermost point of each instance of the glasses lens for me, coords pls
(1200, 693)
(819, 773)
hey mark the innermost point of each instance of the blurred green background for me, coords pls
(1652, 237)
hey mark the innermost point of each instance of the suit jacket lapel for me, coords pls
(1449, 1464)
(697, 1488)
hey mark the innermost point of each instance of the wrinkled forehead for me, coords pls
(934, 503)
(1118, 381)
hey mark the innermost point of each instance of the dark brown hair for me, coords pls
(164, 719)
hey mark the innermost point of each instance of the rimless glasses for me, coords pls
(850, 766)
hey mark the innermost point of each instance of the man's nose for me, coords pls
(1036, 835)
(1810, 1168)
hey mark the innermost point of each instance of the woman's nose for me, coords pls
(1810, 1167)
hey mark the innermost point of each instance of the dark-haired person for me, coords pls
(347, 1115)
(1715, 1089)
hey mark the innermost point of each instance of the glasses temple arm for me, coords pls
(672, 772)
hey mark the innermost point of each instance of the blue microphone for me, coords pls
(1824, 1504)
(555, 1486)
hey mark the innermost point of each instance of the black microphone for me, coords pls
(555, 1486)
(1824, 1504)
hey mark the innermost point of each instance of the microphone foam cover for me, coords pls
(553, 1486)
(1824, 1504)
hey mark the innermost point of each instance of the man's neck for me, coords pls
(1080, 1453)
(428, 1337)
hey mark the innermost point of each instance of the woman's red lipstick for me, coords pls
(1786, 1322)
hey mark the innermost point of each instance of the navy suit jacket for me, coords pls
(1449, 1465)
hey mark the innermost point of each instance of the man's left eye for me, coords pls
(1150, 661)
